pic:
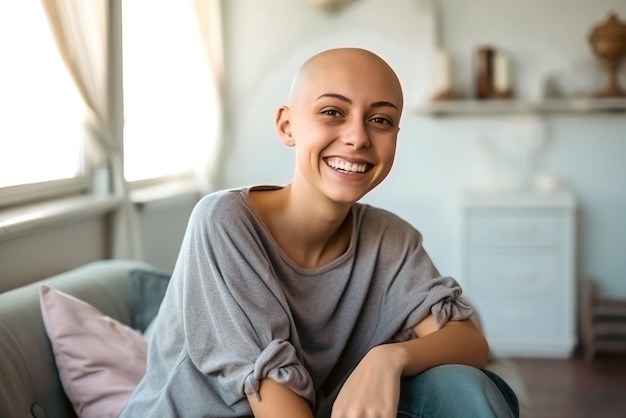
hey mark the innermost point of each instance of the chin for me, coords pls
(347, 197)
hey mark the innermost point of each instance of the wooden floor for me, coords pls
(575, 389)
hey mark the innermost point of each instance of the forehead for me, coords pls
(354, 75)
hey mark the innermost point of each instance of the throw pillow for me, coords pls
(100, 360)
(148, 290)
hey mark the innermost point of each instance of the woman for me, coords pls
(297, 301)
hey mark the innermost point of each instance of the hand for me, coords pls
(373, 389)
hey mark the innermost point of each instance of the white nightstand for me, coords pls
(518, 270)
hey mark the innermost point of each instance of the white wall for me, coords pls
(267, 39)
(162, 225)
(62, 246)
(51, 250)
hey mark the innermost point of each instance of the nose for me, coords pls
(356, 135)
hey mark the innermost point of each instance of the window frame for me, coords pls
(23, 194)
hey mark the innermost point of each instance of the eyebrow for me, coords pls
(347, 100)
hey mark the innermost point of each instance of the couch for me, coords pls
(127, 291)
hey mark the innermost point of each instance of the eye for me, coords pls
(330, 112)
(382, 120)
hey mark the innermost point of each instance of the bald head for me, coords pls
(362, 68)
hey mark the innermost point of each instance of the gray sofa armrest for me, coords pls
(128, 291)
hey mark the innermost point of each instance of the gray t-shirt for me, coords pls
(238, 310)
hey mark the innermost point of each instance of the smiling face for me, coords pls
(343, 120)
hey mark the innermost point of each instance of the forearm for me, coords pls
(459, 342)
(278, 401)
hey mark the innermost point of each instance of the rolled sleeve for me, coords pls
(417, 288)
(443, 300)
(279, 362)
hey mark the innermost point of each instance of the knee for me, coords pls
(456, 381)
(457, 391)
(457, 378)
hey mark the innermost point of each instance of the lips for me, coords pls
(344, 166)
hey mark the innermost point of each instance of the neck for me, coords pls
(312, 235)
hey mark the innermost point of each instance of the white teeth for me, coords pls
(347, 166)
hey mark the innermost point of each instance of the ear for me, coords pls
(283, 125)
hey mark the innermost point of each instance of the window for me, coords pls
(169, 100)
(41, 111)
(169, 108)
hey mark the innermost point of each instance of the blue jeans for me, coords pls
(455, 391)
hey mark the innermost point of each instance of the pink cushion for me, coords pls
(100, 360)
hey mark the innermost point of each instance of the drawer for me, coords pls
(511, 228)
(527, 320)
(532, 272)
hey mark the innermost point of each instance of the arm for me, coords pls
(277, 401)
(457, 342)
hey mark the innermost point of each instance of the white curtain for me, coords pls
(81, 30)
(91, 49)
(88, 34)
(209, 16)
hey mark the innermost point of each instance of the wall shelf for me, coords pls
(507, 107)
